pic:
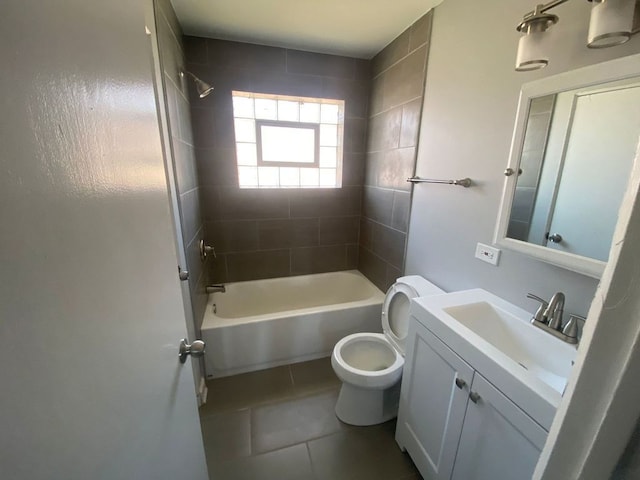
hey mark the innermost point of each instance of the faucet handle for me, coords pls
(539, 316)
(571, 328)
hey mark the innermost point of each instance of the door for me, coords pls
(499, 441)
(90, 305)
(433, 399)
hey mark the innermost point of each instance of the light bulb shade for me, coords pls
(531, 52)
(611, 23)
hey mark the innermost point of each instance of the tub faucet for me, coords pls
(215, 288)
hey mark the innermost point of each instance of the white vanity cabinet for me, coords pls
(454, 423)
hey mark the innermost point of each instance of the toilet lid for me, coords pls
(395, 314)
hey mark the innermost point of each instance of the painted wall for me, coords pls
(468, 116)
(395, 106)
(262, 233)
(181, 148)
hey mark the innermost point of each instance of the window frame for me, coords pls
(288, 124)
(325, 172)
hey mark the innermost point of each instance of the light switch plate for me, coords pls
(488, 254)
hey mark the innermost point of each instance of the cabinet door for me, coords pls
(432, 404)
(499, 441)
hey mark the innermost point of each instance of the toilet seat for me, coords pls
(395, 325)
(378, 378)
(395, 314)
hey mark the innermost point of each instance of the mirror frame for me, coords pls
(610, 71)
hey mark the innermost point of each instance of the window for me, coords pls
(288, 142)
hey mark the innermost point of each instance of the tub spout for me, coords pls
(215, 288)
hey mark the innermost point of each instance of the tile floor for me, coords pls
(279, 424)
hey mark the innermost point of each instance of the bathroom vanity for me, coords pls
(480, 387)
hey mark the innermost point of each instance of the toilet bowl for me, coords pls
(370, 364)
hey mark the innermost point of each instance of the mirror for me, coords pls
(573, 150)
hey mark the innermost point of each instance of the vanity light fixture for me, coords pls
(203, 88)
(612, 22)
(531, 47)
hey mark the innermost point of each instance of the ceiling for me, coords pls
(356, 28)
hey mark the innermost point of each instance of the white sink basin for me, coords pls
(497, 339)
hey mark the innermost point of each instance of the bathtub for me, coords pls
(265, 323)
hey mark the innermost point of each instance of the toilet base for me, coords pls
(364, 406)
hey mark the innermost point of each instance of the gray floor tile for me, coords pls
(248, 390)
(313, 376)
(287, 423)
(250, 414)
(290, 463)
(364, 453)
(227, 435)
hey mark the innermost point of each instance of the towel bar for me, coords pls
(463, 182)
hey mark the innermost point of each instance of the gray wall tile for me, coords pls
(392, 53)
(397, 165)
(246, 56)
(297, 232)
(373, 267)
(251, 204)
(325, 202)
(185, 166)
(376, 96)
(354, 93)
(305, 260)
(195, 49)
(392, 275)
(353, 169)
(421, 31)
(257, 265)
(384, 130)
(308, 63)
(410, 123)
(339, 230)
(366, 233)
(233, 235)
(180, 148)
(405, 80)
(217, 269)
(400, 212)
(378, 204)
(352, 257)
(190, 214)
(285, 219)
(389, 245)
(216, 166)
(399, 73)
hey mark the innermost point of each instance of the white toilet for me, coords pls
(370, 364)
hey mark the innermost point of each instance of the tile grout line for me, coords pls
(293, 384)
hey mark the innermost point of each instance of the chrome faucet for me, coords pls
(555, 309)
(548, 317)
(215, 288)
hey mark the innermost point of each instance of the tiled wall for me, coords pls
(398, 75)
(263, 233)
(172, 60)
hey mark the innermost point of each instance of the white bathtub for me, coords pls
(265, 323)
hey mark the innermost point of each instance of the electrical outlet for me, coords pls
(487, 254)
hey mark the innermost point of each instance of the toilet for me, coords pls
(370, 364)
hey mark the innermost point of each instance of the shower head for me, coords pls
(203, 88)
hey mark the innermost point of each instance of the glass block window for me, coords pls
(288, 142)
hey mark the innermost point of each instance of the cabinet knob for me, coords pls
(460, 383)
(474, 397)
